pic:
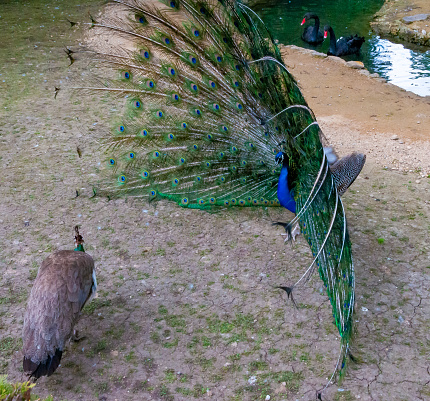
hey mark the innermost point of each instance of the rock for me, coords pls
(374, 75)
(358, 65)
(414, 18)
(337, 59)
(318, 54)
(252, 380)
(394, 137)
(281, 389)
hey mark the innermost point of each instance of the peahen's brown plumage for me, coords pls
(65, 282)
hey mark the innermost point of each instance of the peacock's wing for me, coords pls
(209, 104)
(203, 85)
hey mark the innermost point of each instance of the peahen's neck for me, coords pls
(79, 247)
(284, 192)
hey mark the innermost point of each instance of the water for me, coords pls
(407, 67)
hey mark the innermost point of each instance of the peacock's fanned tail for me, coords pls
(209, 105)
(200, 127)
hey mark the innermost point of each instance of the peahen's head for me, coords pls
(281, 158)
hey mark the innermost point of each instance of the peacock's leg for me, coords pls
(294, 233)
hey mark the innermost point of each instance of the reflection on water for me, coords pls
(401, 66)
(408, 68)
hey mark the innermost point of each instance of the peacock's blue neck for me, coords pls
(284, 195)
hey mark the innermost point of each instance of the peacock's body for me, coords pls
(214, 120)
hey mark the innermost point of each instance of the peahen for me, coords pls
(215, 120)
(65, 282)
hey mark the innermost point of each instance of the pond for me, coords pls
(404, 65)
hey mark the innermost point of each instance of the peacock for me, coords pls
(214, 120)
(65, 282)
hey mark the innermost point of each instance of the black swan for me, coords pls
(312, 34)
(343, 46)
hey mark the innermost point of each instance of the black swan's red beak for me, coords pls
(325, 34)
(304, 20)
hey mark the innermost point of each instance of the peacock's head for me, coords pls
(281, 158)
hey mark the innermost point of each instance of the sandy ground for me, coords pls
(187, 307)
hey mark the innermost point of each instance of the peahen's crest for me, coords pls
(210, 104)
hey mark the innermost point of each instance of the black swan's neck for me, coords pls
(332, 39)
(317, 22)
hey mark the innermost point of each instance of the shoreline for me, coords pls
(408, 20)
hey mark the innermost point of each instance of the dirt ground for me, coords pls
(186, 306)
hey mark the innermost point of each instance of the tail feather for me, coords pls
(45, 368)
